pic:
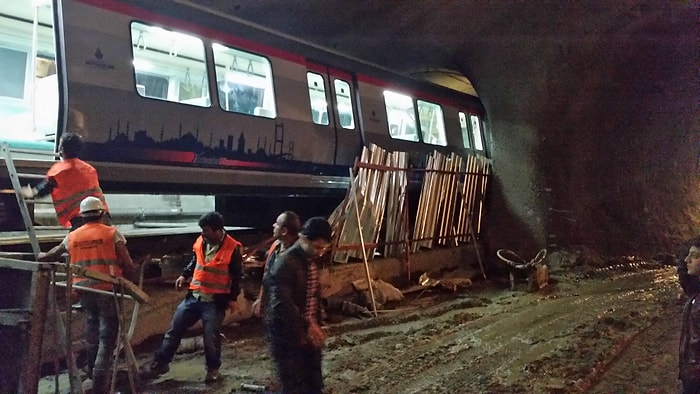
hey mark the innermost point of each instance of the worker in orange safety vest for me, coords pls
(98, 247)
(69, 182)
(215, 269)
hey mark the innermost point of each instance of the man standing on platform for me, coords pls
(215, 270)
(69, 182)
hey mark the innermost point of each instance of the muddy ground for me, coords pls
(605, 330)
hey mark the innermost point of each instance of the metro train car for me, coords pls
(172, 97)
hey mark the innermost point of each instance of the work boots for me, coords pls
(154, 370)
(212, 376)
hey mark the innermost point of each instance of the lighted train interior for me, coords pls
(29, 83)
(29, 95)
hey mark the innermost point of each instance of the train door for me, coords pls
(334, 109)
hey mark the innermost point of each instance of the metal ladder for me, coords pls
(62, 327)
(6, 151)
(64, 334)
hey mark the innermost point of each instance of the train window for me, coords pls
(28, 80)
(245, 82)
(432, 123)
(401, 116)
(13, 63)
(344, 100)
(317, 96)
(169, 65)
(476, 132)
(465, 130)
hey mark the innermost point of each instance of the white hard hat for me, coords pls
(91, 206)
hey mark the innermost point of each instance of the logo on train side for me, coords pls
(97, 62)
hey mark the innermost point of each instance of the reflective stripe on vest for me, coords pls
(75, 180)
(212, 277)
(92, 246)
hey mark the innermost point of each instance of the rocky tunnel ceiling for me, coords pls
(592, 105)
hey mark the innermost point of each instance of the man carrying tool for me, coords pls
(293, 311)
(101, 248)
(69, 182)
(286, 231)
(215, 270)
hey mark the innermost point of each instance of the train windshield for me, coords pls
(28, 81)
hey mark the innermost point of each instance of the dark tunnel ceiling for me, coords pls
(437, 40)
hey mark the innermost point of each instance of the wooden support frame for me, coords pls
(449, 211)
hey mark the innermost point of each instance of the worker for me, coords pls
(285, 230)
(293, 310)
(689, 354)
(96, 246)
(689, 283)
(215, 269)
(69, 182)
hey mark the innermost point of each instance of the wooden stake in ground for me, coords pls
(364, 252)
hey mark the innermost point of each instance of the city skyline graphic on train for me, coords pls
(142, 146)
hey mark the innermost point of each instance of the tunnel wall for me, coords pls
(595, 140)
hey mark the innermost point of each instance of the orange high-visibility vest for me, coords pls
(274, 249)
(212, 277)
(92, 246)
(75, 180)
(268, 256)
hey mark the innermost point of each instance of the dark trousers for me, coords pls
(102, 329)
(298, 367)
(186, 315)
(690, 377)
(690, 386)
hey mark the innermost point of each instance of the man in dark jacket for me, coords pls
(689, 348)
(285, 229)
(293, 310)
(689, 283)
(215, 270)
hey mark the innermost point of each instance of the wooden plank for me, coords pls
(129, 287)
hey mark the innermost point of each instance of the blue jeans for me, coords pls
(186, 315)
(102, 328)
